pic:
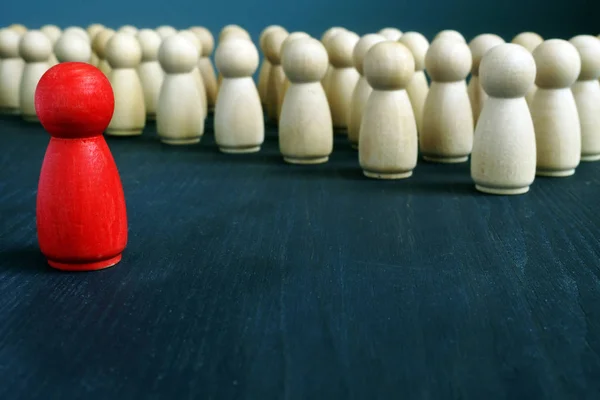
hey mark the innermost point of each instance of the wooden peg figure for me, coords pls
(393, 34)
(504, 153)
(529, 40)
(587, 95)
(450, 34)
(80, 212)
(479, 46)
(150, 73)
(553, 109)
(362, 90)
(327, 36)
(418, 87)
(265, 68)
(273, 43)
(305, 128)
(286, 82)
(343, 78)
(191, 36)
(205, 65)
(35, 48)
(447, 131)
(165, 31)
(124, 55)
(71, 47)
(388, 147)
(179, 112)
(99, 47)
(11, 71)
(53, 33)
(239, 121)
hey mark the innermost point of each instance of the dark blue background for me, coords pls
(550, 18)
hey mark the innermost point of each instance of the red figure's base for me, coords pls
(93, 266)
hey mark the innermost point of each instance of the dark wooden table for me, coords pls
(248, 278)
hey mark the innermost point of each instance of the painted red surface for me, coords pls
(81, 215)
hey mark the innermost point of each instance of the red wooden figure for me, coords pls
(81, 216)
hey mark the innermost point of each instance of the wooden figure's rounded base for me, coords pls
(9, 111)
(239, 150)
(178, 142)
(502, 191)
(384, 175)
(124, 132)
(94, 266)
(306, 161)
(30, 118)
(555, 174)
(445, 160)
(590, 157)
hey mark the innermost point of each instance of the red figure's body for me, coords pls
(81, 216)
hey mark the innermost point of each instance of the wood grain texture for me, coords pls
(250, 278)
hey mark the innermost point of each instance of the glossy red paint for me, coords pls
(81, 214)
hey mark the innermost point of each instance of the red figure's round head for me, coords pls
(74, 100)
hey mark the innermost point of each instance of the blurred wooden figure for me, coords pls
(479, 46)
(11, 71)
(205, 65)
(124, 55)
(265, 68)
(587, 95)
(273, 43)
(35, 49)
(529, 40)
(343, 78)
(362, 90)
(418, 87)
(150, 72)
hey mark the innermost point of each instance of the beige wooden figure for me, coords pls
(290, 38)
(124, 54)
(191, 36)
(11, 71)
(99, 47)
(72, 48)
(447, 132)
(450, 34)
(265, 68)
(164, 31)
(388, 147)
(327, 36)
(479, 46)
(205, 65)
(239, 122)
(35, 49)
(231, 32)
(179, 114)
(529, 40)
(504, 153)
(363, 90)
(418, 87)
(587, 95)
(19, 28)
(93, 30)
(343, 78)
(305, 128)
(553, 108)
(53, 33)
(150, 72)
(273, 43)
(392, 34)
(79, 31)
(128, 29)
